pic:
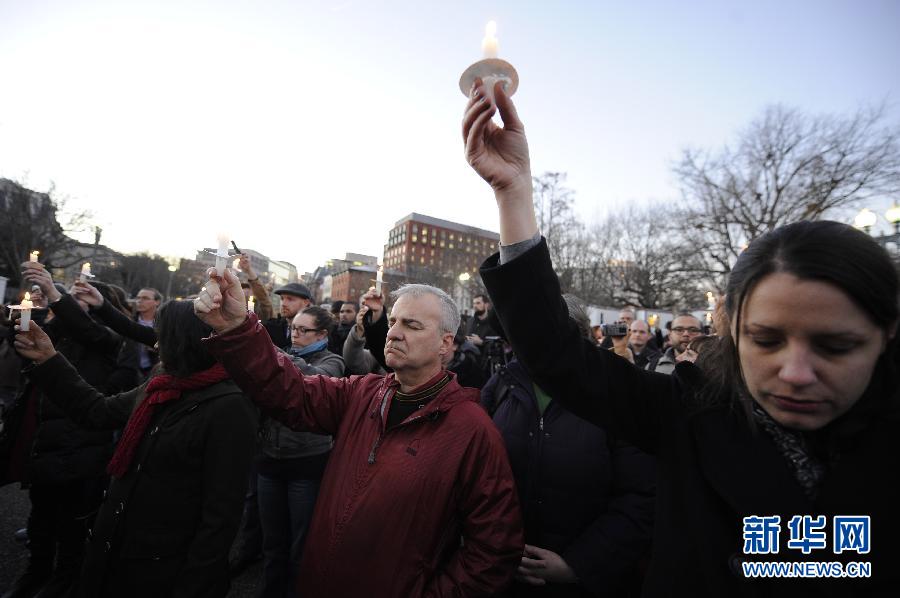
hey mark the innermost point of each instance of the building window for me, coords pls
(442, 243)
(424, 231)
(433, 240)
(415, 228)
(422, 260)
(451, 244)
(415, 238)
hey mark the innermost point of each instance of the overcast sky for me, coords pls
(307, 128)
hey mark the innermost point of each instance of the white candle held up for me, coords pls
(85, 272)
(25, 308)
(251, 304)
(489, 44)
(379, 278)
(221, 254)
(33, 256)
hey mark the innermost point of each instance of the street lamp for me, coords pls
(893, 216)
(172, 270)
(865, 219)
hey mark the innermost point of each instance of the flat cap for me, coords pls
(296, 289)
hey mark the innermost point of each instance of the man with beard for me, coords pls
(295, 297)
(685, 328)
(480, 326)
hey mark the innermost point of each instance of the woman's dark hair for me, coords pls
(322, 317)
(180, 333)
(823, 251)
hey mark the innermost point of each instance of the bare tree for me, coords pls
(786, 166)
(633, 260)
(556, 219)
(31, 222)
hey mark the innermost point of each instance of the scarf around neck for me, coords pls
(309, 349)
(161, 389)
(807, 469)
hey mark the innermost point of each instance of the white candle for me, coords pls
(251, 304)
(25, 307)
(85, 271)
(710, 300)
(235, 264)
(33, 256)
(379, 278)
(489, 43)
(221, 254)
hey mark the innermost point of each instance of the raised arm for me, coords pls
(69, 315)
(267, 376)
(112, 317)
(599, 386)
(60, 381)
(263, 302)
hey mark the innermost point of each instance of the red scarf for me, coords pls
(162, 388)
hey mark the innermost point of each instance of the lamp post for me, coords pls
(865, 220)
(893, 216)
(169, 285)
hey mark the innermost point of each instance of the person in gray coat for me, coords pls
(292, 463)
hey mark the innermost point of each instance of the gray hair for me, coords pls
(449, 311)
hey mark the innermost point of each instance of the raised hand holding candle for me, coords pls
(221, 254)
(379, 278)
(86, 272)
(33, 256)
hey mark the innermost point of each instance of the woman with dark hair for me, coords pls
(796, 433)
(178, 472)
(292, 463)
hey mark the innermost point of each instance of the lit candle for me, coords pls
(85, 271)
(25, 308)
(379, 278)
(709, 317)
(489, 43)
(251, 304)
(235, 264)
(221, 254)
(33, 256)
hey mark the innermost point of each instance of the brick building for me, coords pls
(420, 243)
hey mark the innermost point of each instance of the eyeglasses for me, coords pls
(691, 330)
(304, 329)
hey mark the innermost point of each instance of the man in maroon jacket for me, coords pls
(418, 497)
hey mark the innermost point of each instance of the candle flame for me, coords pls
(490, 30)
(223, 238)
(27, 296)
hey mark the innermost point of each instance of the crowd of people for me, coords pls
(387, 448)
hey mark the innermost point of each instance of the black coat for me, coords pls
(714, 469)
(61, 450)
(584, 495)
(279, 332)
(165, 527)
